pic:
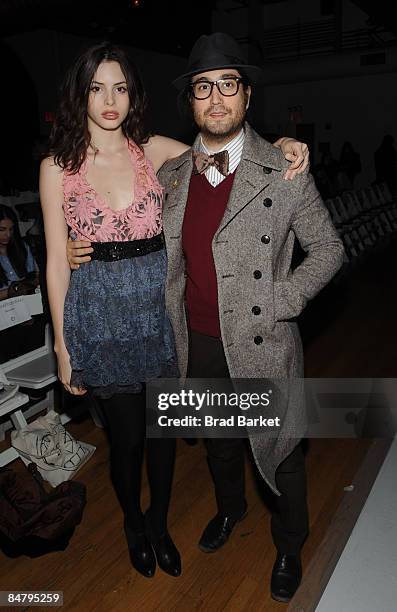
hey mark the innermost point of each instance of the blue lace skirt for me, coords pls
(116, 329)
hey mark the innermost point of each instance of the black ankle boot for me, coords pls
(167, 554)
(141, 552)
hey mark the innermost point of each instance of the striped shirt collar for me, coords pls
(235, 150)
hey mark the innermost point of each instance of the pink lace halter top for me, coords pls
(90, 218)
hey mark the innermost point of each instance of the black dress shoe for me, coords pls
(167, 554)
(141, 552)
(191, 441)
(218, 531)
(286, 577)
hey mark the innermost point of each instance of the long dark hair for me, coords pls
(16, 249)
(70, 138)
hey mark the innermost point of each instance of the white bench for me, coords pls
(34, 370)
(12, 407)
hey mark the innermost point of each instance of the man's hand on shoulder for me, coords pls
(295, 152)
(78, 252)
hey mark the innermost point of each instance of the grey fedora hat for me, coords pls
(215, 51)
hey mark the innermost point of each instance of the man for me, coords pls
(229, 229)
(233, 237)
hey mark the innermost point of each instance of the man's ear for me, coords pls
(248, 91)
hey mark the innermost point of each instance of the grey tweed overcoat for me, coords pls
(252, 251)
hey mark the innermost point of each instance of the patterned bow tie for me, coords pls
(202, 161)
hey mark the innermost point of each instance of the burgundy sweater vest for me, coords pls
(204, 211)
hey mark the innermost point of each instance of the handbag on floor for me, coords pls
(32, 521)
(46, 443)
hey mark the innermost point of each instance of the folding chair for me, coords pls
(38, 370)
(10, 405)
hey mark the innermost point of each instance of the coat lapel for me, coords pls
(176, 186)
(260, 163)
(259, 166)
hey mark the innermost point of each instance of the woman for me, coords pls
(111, 330)
(18, 269)
(18, 276)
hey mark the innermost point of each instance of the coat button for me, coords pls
(267, 202)
(256, 310)
(267, 170)
(258, 339)
(257, 274)
(265, 239)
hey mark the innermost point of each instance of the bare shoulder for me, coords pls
(160, 149)
(170, 146)
(50, 184)
(50, 171)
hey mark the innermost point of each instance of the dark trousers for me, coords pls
(124, 416)
(289, 523)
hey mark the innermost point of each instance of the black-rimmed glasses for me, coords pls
(227, 87)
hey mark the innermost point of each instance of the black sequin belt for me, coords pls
(113, 251)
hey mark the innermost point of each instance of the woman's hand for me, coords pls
(78, 252)
(296, 152)
(65, 372)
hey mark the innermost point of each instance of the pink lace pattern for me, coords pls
(89, 217)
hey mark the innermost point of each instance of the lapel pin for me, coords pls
(175, 183)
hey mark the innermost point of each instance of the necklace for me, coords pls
(96, 151)
(94, 148)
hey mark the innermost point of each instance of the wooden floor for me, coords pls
(349, 331)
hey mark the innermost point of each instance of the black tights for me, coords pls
(124, 416)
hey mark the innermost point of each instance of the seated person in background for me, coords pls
(18, 269)
(350, 164)
(18, 276)
(386, 163)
